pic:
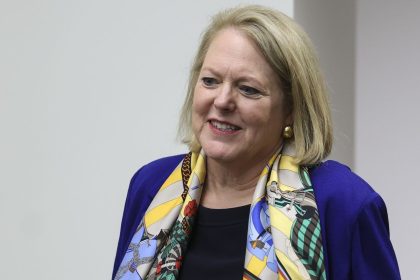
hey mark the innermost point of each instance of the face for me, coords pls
(239, 109)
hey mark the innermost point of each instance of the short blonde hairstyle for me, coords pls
(290, 53)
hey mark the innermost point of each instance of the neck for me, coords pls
(232, 184)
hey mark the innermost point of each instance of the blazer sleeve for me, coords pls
(126, 223)
(373, 256)
(143, 187)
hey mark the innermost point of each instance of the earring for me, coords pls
(288, 132)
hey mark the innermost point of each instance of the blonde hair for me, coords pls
(290, 53)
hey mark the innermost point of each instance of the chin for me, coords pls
(219, 152)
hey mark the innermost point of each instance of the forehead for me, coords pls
(232, 49)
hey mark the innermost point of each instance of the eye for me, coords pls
(209, 82)
(249, 91)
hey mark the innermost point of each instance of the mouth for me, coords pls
(224, 126)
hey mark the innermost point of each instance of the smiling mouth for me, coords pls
(224, 126)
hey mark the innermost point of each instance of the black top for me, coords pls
(217, 246)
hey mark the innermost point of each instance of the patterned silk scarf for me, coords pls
(284, 232)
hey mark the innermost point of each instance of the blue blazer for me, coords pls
(354, 220)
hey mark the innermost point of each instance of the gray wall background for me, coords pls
(369, 52)
(387, 119)
(91, 90)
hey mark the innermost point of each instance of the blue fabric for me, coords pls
(354, 220)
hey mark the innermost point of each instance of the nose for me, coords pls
(225, 99)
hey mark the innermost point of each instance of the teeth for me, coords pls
(223, 126)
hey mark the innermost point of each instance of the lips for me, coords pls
(224, 126)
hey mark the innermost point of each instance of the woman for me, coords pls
(253, 199)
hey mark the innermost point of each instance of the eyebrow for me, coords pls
(210, 70)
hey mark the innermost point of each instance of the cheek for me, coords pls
(276, 119)
(278, 113)
(196, 108)
(198, 111)
(266, 120)
(259, 115)
(201, 104)
(195, 114)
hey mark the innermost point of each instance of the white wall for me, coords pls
(388, 116)
(89, 91)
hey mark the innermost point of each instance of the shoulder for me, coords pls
(333, 180)
(143, 186)
(152, 175)
(338, 189)
(165, 164)
(353, 218)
